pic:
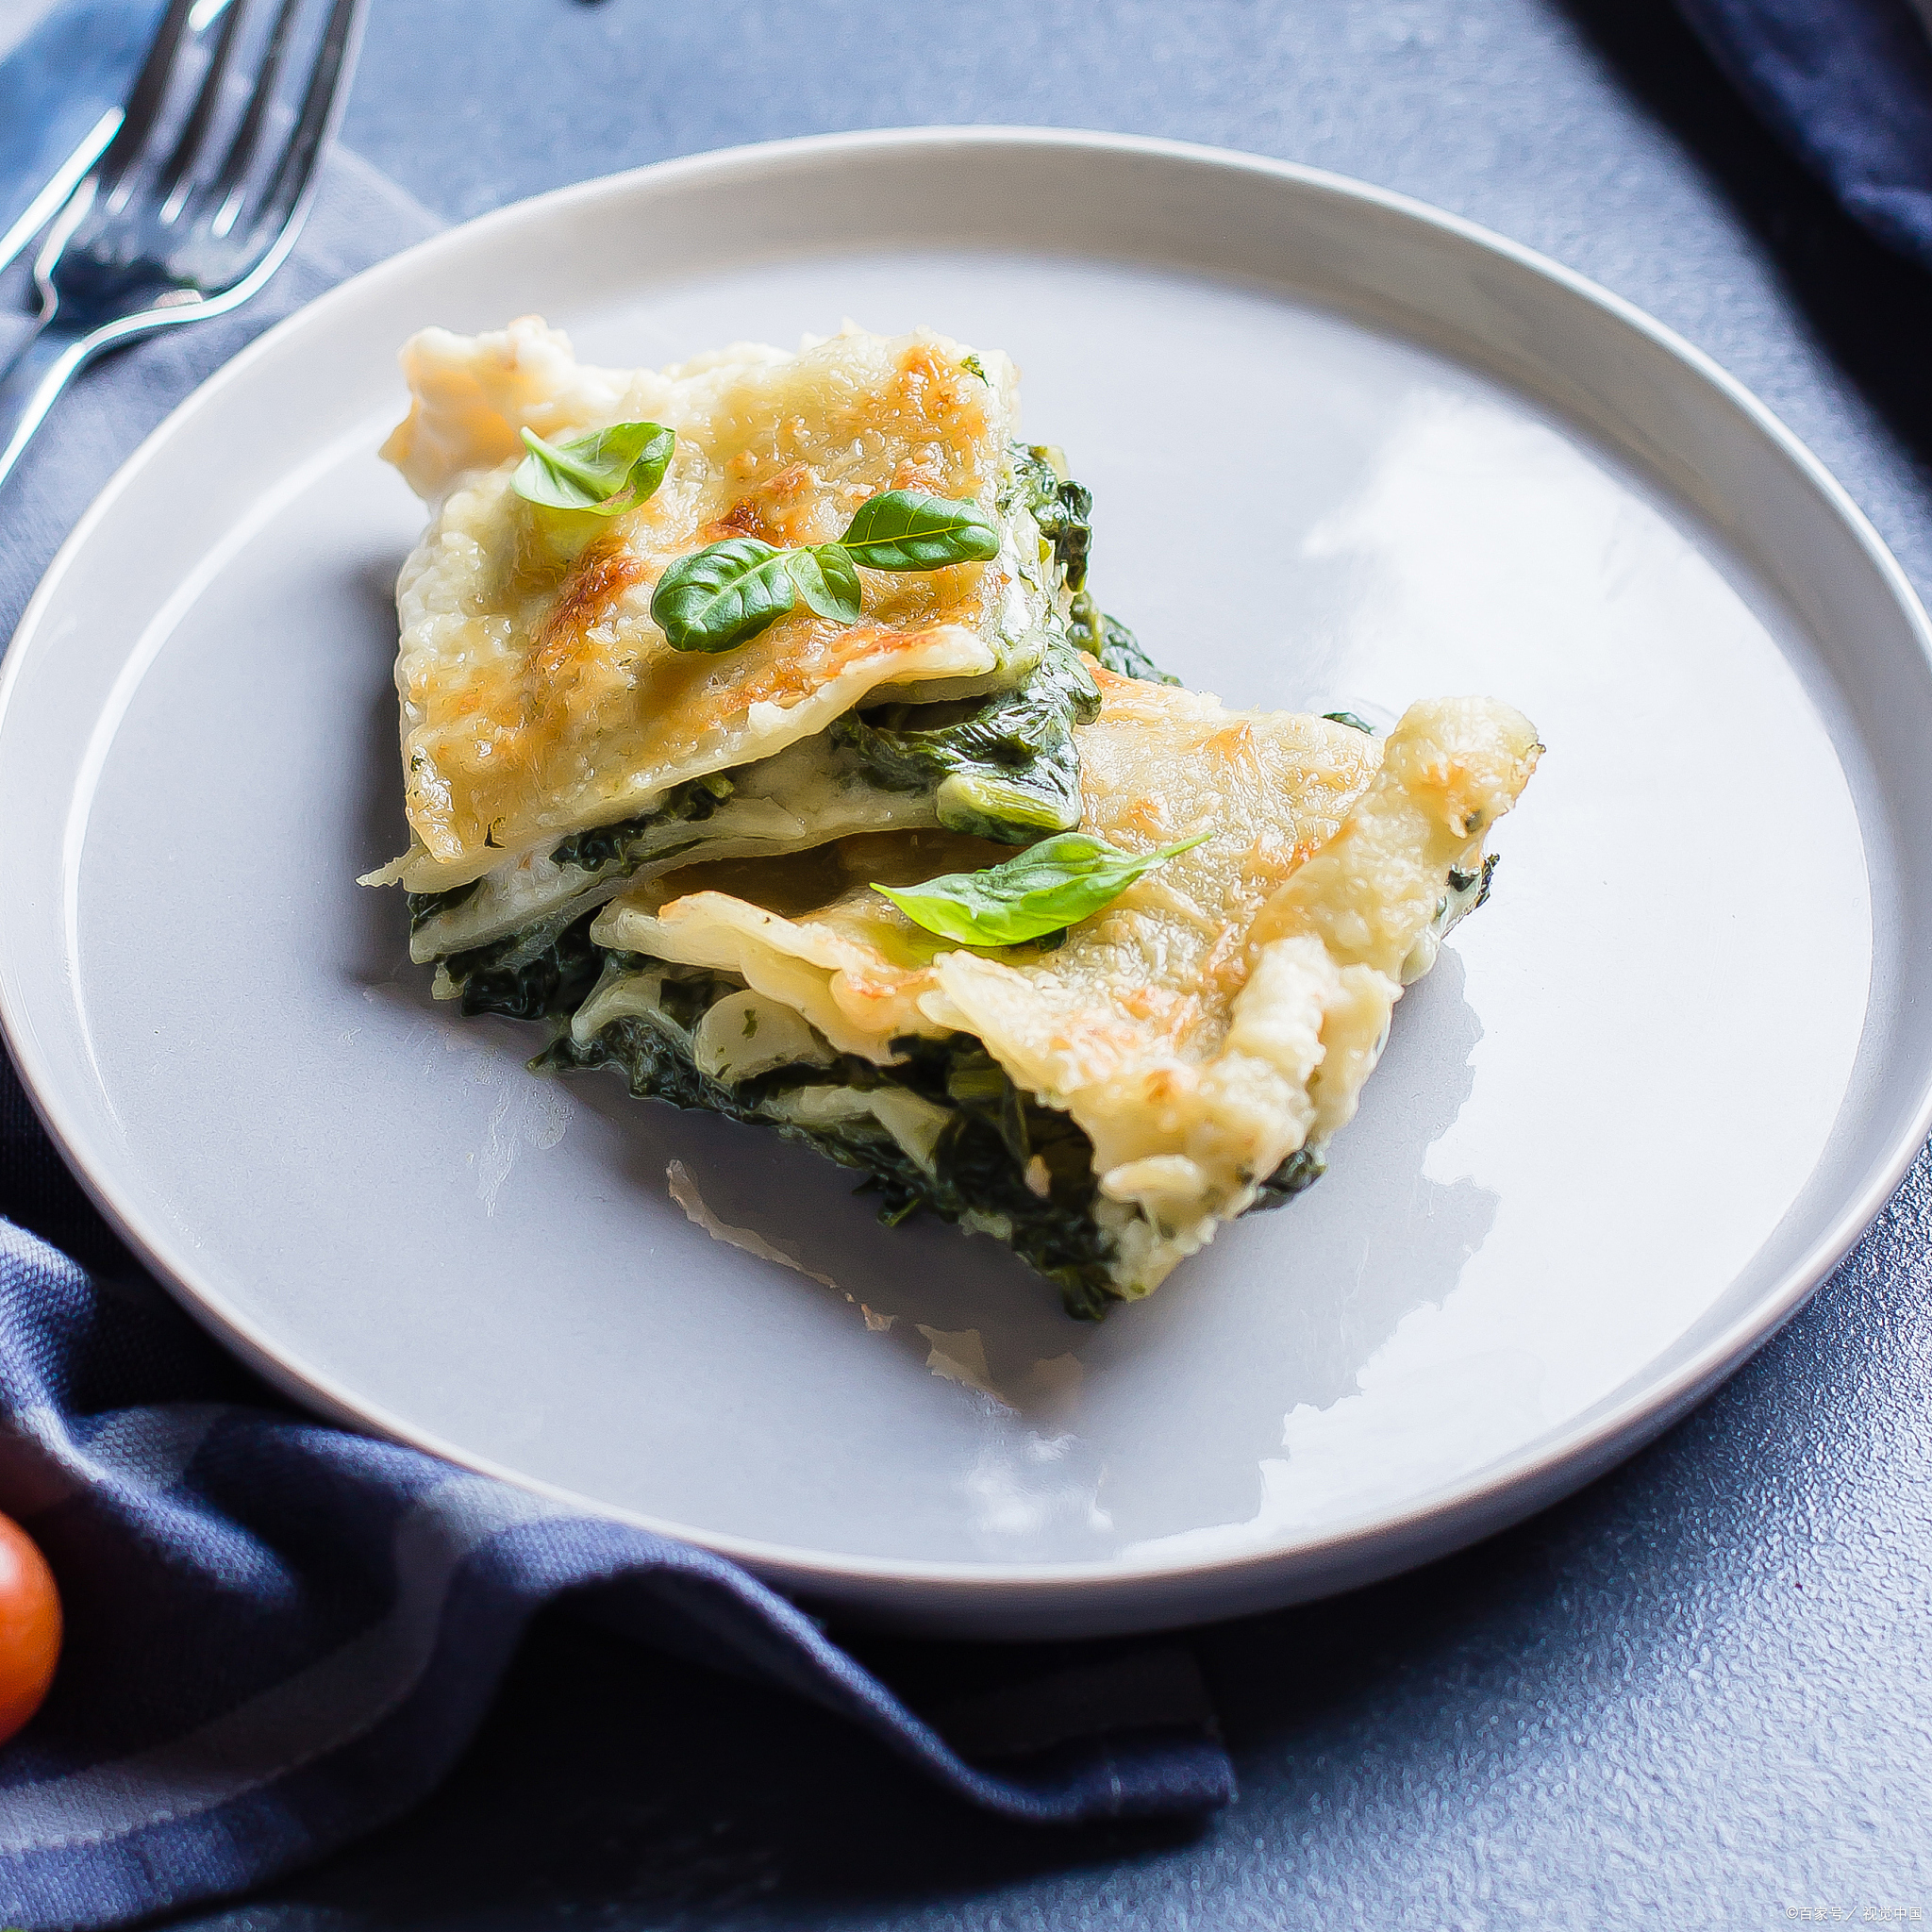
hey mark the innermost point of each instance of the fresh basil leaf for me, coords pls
(1048, 887)
(726, 593)
(1353, 723)
(972, 366)
(902, 529)
(722, 594)
(826, 580)
(609, 470)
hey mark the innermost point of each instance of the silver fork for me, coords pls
(169, 230)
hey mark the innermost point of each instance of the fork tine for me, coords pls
(149, 93)
(321, 105)
(226, 197)
(125, 278)
(177, 171)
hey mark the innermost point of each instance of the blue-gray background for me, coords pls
(1701, 1692)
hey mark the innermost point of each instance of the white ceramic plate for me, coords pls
(1345, 451)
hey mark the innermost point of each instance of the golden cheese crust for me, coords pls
(538, 697)
(1224, 1012)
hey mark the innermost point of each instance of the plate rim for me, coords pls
(1094, 1595)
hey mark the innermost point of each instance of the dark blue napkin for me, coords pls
(281, 1635)
(1846, 85)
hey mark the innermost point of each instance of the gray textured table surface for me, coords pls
(1701, 1692)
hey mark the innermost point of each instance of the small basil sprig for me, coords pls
(1048, 887)
(905, 530)
(607, 470)
(726, 593)
(827, 579)
(723, 594)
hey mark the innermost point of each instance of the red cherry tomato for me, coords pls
(29, 1627)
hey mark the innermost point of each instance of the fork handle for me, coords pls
(47, 365)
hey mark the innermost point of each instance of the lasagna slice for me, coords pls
(1105, 1097)
(539, 696)
(693, 663)
(557, 747)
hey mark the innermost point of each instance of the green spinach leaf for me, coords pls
(1004, 766)
(1300, 1171)
(547, 968)
(608, 471)
(1048, 887)
(1062, 509)
(690, 802)
(423, 906)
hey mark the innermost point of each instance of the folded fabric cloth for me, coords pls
(1846, 85)
(280, 1635)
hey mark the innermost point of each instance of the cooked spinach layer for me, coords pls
(979, 1162)
(1117, 647)
(1063, 511)
(423, 906)
(1301, 1169)
(602, 846)
(691, 802)
(546, 969)
(1004, 766)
